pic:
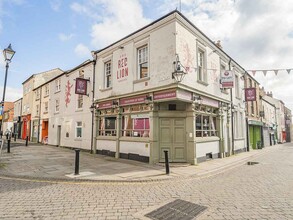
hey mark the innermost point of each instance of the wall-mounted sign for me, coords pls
(81, 86)
(227, 79)
(250, 94)
(182, 94)
(165, 95)
(133, 100)
(104, 105)
(122, 71)
(210, 102)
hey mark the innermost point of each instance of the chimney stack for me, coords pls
(218, 44)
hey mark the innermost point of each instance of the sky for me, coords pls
(49, 34)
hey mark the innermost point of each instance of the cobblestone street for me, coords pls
(260, 191)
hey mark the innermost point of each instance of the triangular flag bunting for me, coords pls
(253, 72)
(265, 72)
(276, 72)
(288, 70)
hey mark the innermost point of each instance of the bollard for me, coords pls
(26, 141)
(8, 146)
(167, 162)
(76, 161)
(14, 137)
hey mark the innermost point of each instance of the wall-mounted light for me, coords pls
(121, 47)
(197, 99)
(149, 98)
(115, 103)
(92, 107)
(179, 70)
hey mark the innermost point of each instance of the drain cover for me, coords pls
(177, 210)
(252, 163)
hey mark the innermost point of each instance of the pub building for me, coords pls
(158, 89)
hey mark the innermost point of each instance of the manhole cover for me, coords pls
(177, 210)
(252, 163)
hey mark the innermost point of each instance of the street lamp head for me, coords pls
(8, 53)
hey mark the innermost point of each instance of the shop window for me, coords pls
(107, 126)
(206, 125)
(133, 126)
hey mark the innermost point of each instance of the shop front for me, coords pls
(143, 127)
(255, 134)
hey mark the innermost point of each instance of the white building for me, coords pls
(143, 111)
(68, 115)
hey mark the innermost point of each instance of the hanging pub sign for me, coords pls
(81, 86)
(250, 94)
(227, 79)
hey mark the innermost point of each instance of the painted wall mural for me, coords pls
(68, 93)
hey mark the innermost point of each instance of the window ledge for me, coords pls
(79, 110)
(106, 138)
(57, 91)
(206, 139)
(141, 80)
(46, 96)
(135, 139)
(78, 139)
(202, 82)
(56, 113)
(105, 89)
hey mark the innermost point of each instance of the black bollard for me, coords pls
(8, 146)
(167, 162)
(76, 161)
(26, 141)
(14, 137)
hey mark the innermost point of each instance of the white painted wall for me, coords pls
(135, 148)
(106, 145)
(203, 148)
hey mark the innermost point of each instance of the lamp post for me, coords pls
(8, 55)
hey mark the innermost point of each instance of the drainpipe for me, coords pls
(232, 113)
(93, 109)
(38, 141)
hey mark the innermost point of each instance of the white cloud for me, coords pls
(11, 94)
(82, 51)
(55, 4)
(64, 37)
(112, 19)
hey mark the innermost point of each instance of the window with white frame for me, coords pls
(206, 122)
(78, 129)
(37, 110)
(201, 65)
(57, 102)
(142, 61)
(237, 93)
(108, 74)
(37, 93)
(107, 126)
(45, 107)
(79, 101)
(135, 125)
(47, 90)
(57, 85)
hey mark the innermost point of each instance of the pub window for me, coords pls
(135, 126)
(107, 126)
(206, 124)
(142, 61)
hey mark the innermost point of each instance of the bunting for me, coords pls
(275, 71)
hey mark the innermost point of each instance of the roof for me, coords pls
(66, 72)
(167, 15)
(32, 76)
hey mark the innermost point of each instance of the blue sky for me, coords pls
(52, 34)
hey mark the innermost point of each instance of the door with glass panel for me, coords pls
(172, 139)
